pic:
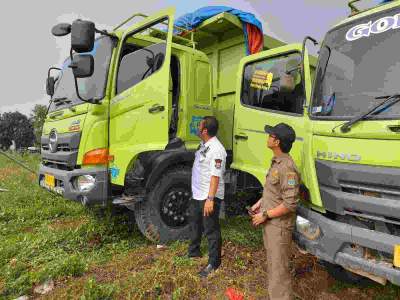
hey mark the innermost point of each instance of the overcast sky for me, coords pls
(28, 49)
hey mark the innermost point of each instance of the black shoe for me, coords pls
(196, 255)
(207, 271)
(189, 256)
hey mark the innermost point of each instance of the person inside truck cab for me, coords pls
(274, 86)
(290, 87)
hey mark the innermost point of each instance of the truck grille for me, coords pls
(62, 147)
(64, 153)
(366, 189)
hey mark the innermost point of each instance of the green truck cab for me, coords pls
(350, 214)
(122, 123)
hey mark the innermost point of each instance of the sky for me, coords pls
(28, 48)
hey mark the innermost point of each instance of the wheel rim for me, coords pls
(174, 207)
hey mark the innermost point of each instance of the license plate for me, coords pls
(50, 180)
(396, 256)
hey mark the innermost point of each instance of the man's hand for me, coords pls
(256, 207)
(208, 208)
(258, 219)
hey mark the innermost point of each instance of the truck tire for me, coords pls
(343, 275)
(163, 216)
(338, 272)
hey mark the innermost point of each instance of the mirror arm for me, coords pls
(52, 68)
(303, 53)
(104, 32)
(91, 101)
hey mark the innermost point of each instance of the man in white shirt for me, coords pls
(208, 191)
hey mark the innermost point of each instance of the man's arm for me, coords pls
(278, 211)
(217, 171)
(209, 205)
(290, 188)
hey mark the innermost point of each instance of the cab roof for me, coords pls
(370, 11)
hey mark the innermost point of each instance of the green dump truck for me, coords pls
(122, 125)
(125, 107)
(350, 216)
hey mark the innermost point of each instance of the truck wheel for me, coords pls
(163, 216)
(341, 274)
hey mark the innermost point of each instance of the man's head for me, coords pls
(291, 77)
(208, 128)
(280, 137)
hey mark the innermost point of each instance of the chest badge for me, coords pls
(291, 179)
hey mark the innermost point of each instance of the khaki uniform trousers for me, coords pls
(277, 242)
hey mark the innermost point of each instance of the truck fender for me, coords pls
(165, 161)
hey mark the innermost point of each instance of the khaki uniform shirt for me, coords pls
(282, 186)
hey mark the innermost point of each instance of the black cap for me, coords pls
(282, 131)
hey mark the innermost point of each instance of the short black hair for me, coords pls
(211, 124)
(285, 146)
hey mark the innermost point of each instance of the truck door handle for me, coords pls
(156, 108)
(394, 128)
(241, 137)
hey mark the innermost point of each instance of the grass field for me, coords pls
(93, 254)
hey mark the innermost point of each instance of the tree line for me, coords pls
(24, 130)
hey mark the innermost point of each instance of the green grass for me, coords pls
(45, 237)
(94, 291)
(92, 254)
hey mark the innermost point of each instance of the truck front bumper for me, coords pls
(64, 184)
(335, 236)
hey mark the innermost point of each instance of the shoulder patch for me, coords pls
(291, 178)
(218, 163)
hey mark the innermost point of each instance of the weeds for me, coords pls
(96, 291)
(97, 253)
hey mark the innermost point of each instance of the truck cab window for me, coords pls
(142, 55)
(274, 84)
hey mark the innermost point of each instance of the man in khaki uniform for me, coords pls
(276, 210)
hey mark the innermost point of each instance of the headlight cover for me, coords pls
(85, 183)
(307, 228)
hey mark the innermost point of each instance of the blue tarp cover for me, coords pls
(192, 20)
(252, 27)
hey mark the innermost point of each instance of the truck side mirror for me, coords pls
(82, 36)
(82, 65)
(61, 29)
(50, 86)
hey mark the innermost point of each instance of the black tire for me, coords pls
(150, 215)
(337, 271)
(341, 274)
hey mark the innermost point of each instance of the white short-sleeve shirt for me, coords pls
(210, 160)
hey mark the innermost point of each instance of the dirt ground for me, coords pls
(243, 269)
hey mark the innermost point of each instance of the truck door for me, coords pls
(139, 107)
(270, 91)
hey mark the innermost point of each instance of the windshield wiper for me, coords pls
(389, 101)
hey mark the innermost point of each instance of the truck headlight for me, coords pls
(85, 183)
(307, 228)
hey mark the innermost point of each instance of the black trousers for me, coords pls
(211, 228)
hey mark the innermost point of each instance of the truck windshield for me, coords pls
(358, 64)
(91, 87)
